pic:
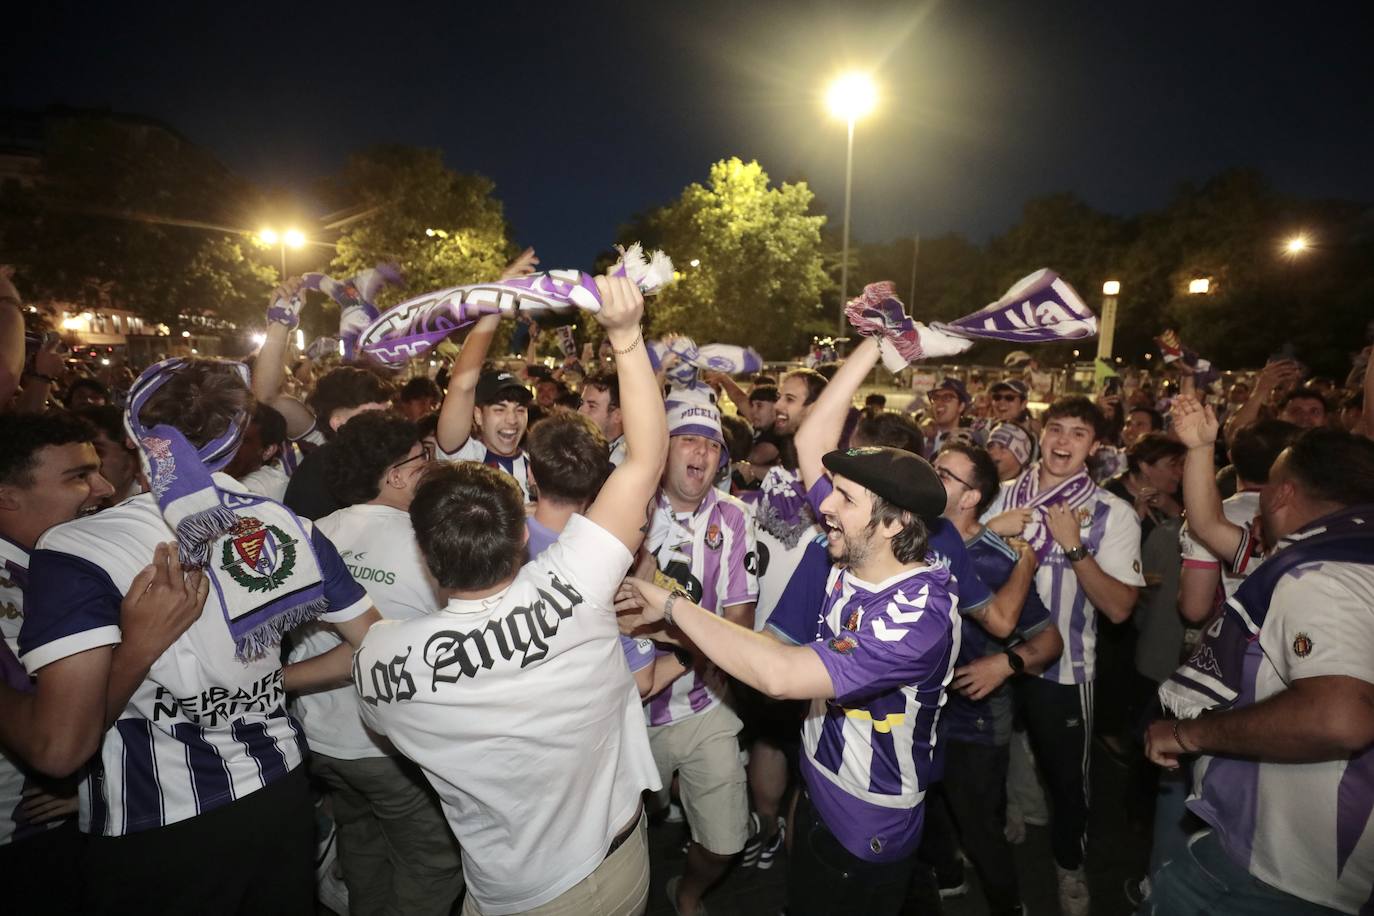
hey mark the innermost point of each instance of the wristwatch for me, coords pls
(1080, 552)
(1018, 664)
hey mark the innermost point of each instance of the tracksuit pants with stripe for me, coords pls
(1059, 722)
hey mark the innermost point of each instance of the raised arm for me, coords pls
(820, 431)
(1274, 376)
(998, 617)
(622, 506)
(283, 316)
(455, 417)
(1196, 427)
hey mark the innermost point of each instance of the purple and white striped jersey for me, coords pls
(517, 465)
(868, 754)
(1111, 530)
(1302, 827)
(710, 552)
(203, 729)
(14, 576)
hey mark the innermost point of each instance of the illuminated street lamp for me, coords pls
(1296, 245)
(850, 97)
(1200, 286)
(291, 238)
(1106, 326)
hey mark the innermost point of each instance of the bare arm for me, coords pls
(741, 615)
(982, 676)
(1315, 719)
(1196, 427)
(455, 417)
(1197, 593)
(1274, 376)
(620, 507)
(999, 615)
(270, 367)
(58, 727)
(335, 667)
(738, 396)
(820, 431)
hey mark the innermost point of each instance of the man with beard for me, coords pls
(875, 677)
(1088, 544)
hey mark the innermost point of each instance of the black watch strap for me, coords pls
(1018, 664)
(1078, 553)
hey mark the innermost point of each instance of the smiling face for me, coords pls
(1308, 413)
(66, 484)
(945, 408)
(847, 513)
(763, 414)
(596, 406)
(1066, 444)
(791, 407)
(502, 426)
(691, 470)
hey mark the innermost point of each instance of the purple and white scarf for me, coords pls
(692, 360)
(1213, 677)
(254, 550)
(414, 327)
(1039, 308)
(355, 297)
(1026, 494)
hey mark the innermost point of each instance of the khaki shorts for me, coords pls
(704, 750)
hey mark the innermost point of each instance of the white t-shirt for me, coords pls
(204, 728)
(1240, 509)
(618, 452)
(522, 712)
(269, 480)
(378, 546)
(1109, 528)
(1303, 827)
(517, 465)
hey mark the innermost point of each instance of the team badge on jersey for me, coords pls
(713, 537)
(1302, 645)
(259, 557)
(853, 622)
(843, 645)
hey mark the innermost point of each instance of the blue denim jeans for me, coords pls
(1207, 882)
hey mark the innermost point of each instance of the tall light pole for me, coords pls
(291, 238)
(850, 97)
(1106, 327)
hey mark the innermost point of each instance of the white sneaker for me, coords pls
(1073, 892)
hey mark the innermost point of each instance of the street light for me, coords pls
(1200, 287)
(850, 97)
(1296, 245)
(1106, 327)
(291, 238)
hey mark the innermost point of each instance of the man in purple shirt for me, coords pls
(875, 677)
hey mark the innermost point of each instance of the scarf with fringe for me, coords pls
(414, 327)
(254, 550)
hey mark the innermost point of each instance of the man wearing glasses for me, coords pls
(395, 848)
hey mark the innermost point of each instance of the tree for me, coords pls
(748, 257)
(443, 228)
(126, 213)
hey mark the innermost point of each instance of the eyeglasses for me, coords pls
(946, 474)
(426, 454)
(1006, 397)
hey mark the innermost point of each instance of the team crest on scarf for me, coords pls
(713, 537)
(259, 557)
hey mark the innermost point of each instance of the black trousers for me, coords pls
(1059, 721)
(976, 787)
(252, 856)
(42, 874)
(825, 879)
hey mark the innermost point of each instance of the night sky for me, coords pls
(584, 114)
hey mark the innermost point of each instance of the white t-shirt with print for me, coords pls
(524, 716)
(378, 546)
(269, 480)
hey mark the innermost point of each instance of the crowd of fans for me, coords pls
(283, 633)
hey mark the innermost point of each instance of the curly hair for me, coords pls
(344, 388)
(364, 448)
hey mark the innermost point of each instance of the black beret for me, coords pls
(898, 476)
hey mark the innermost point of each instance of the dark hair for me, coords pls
(1156, 418)
(1077, 407)
(469, 521)
(761, 380)
(201, 399)
(891, 429)
(815, 382)
(1333, 466)
(418, 389)
(908, 545)
(1255, 448)
(364, 448)
(738, 435)
(1153, 447)
(86, 381)
(827, 371)
(428, 425)
(1299, 394)
(764, 393)
(271, 425)
(106, 418)
(985, 479)
(344, 388)
(609, 383)
(876, 400)
(23, 436)
(569, 456)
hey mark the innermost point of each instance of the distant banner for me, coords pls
(416, 326)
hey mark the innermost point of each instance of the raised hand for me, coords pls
(1193, 423)
(284, 305)
(622, 304)
(524, 264)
